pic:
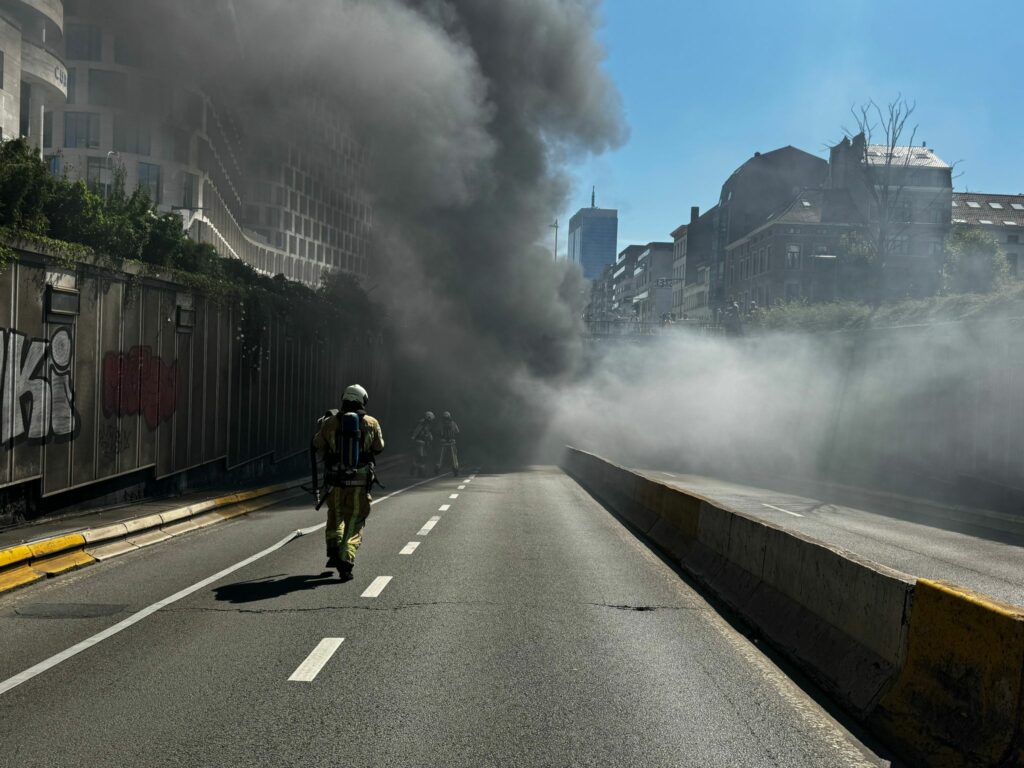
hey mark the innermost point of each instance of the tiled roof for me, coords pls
(921, 157)
(988, 210)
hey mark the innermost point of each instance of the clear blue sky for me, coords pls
(704, 86)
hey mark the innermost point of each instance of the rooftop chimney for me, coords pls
(694, 214)
(593, 197)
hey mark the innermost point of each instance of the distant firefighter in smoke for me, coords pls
(348, 442)
(449, 431)
(422, 438)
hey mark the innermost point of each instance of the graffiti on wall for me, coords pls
(36, 388)
(138, 381)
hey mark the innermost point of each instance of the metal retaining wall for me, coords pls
(127, 386)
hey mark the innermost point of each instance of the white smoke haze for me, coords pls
(933, 411)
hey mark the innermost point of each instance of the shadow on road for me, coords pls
(272, 587)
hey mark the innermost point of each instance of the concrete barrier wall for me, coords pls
(124, 389)
(935, 670)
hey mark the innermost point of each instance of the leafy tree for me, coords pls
(25, 186)
(76, 215)
(974, 262)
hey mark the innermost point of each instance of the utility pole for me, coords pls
(555, 227)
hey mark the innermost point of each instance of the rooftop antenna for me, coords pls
(593, 197)
(555, 227)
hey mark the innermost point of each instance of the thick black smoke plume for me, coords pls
(468, 108)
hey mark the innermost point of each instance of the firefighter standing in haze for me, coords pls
(449, 430)
(348, 441)
(422, 437)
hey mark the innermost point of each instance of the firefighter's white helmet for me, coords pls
(356, 394)
(429, 415)
(447, 416)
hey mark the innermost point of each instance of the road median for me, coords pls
(936, 670)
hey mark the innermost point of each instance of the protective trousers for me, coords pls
(347, 509)
(449, 448)
(420, 461)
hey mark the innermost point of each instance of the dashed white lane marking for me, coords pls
(316, 660)
(428, 526)
(454, 496)
(444, 507)
(409, 548)
(461, 488)
(376, 586)
(468, 480)
(780, 509)
(135, 618)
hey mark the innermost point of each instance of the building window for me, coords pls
(792, 261)
(1014, 261)
(48, 130)
(81, 130)
(190, 191)
(72, 80)
(792, 291)
(84, 42)
(1, 70)
(149, 180)
(1013, 238)
(53, 163)
(131, 134)
(97, 175)
(107, 89)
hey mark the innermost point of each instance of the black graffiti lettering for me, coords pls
(36, 387)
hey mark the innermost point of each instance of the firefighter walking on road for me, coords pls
(348, 442)
(422, 438)
(449, 431)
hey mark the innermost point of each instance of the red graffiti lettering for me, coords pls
(139, 382)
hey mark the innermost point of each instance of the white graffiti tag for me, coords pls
(35, 386)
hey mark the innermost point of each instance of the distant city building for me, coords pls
(919, 214)
(284, 205)
(700, 263)
(602, 296)
(679, 269)
(623, 281)
(33, 77)
(1002, 216)
(795, 255)
(652, 298)
(593, 239)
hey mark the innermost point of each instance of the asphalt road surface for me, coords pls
(510, 622)
(991, 567)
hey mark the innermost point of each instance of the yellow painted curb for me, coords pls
(57, 544)
(14, 555)
(957, 699)
(18, 577)
(54, 566)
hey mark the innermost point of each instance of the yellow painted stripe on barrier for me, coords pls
(56, 544)
(54, 566)
(18, 577)
(13, 555)
(958, 695)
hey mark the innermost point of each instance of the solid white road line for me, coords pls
(428, 526)
(316, 660)
(376, 586)
(135, 618)
(444, 507)
(780, 509)
(409, 548)
(454, 496)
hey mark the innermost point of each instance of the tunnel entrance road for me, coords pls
(513, 621)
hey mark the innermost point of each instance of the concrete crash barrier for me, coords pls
(935, 670)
